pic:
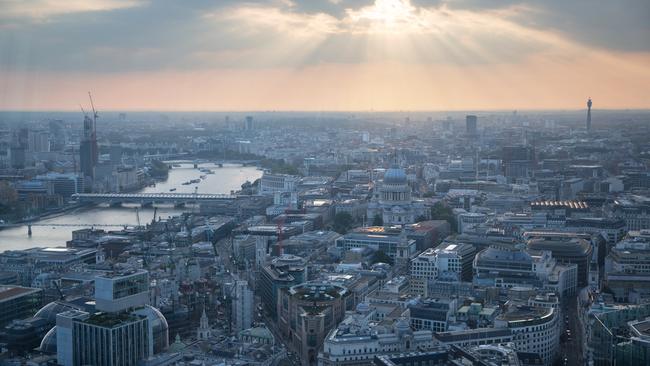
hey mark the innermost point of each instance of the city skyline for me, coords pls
(382, 55)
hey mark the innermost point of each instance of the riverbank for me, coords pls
(227, 178)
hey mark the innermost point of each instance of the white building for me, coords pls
(242, 306)
(272, 183)
(534, 329)
(467, 220)
(447, 262)
(509, 266)
(358, 339)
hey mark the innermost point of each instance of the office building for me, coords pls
(566, 250)
(467, 220)
(123, 330)
(534, 329)
(242, 306)
(471, 125)
(518, 161)
(447, 262)
(627, 268)
(359, 338)
(432, 314)
(283, 272)
(635, 210)
(508, 266)
(474, 337)
(39, 141)
(306, 314)
(64, 185)
(277, 183)
(18, 302)
(399, 248)
(118, 291)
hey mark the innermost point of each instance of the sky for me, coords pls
(237, 55)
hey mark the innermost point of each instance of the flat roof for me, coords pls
(11, 292)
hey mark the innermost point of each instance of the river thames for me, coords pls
(225, 179)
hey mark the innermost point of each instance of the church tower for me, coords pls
(203, 333)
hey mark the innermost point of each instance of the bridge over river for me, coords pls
(148, 199)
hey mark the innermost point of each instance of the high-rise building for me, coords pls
(589, 115)
(124, 330)
(471, 124)
(101, 339)
(17, 157)
(249, 123)
(283, 272)
(518, 161)
(307, 312)
(121, 291)
(19, 146)
(57, 135)
(88, 150)
(39, 141)
(116, 154)
(242, 306)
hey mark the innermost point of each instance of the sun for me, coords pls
(390, 11)
(386, 15)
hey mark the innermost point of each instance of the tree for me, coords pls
(440, 211)
(8, 195)
(381, 257)
(377, 220)
(343, 222)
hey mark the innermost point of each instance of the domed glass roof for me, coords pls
(49, 311)
(395, 175)
(159, 327)
(48, 344)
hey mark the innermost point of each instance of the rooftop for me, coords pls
(111, 320)
(525, 314)
(316, 291)
(12, 292)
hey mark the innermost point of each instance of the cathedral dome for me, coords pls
(395, 175)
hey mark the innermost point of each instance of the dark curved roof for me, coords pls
(573, 247)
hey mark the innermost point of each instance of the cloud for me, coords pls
(622, 25)
(43, 9)
(132, 35)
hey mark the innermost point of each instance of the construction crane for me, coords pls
(95, 114)
(155, 211)
(93, 135)
(58, 289)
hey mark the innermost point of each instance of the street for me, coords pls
(571, 346)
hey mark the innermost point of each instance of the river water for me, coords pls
(224, 180)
